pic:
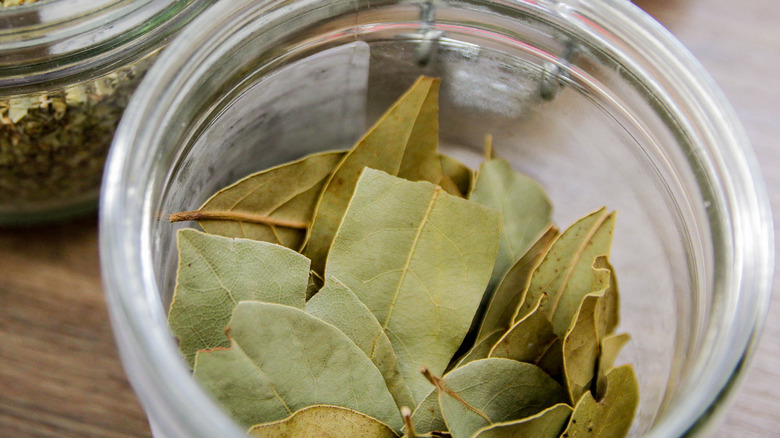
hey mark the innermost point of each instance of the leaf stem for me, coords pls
(438, 382)
(235, 216)
(406, 414)
(489, 147)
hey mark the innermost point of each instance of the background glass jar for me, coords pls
(591, 97)
(67, 70)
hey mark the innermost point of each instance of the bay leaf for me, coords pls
(336, 304)
(524, 207)
(481, 350)
(457, 173)
(282, 359)
(490, 391)
(565, 274)
(581, 348)
(612, 416)
(403, 142)
(450, 186)
(288, 193)
(611, 346)
(427, 416)
(323, 421)
(529, 339)
(419, 259)
(546, 424)
(552, 360)
(511, 290)
(610, 306)
(217, 272)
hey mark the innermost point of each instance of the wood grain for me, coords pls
(60, 375)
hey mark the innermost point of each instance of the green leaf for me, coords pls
(566, 272)
(546, 424)
(612, 416)
(524, 207)
(529, 339)
(403, 142)
(336, 304)
(427, 416)
(611, 346)
(490, 391)
(611, 301)
(282, 359)
(581, 348)
(481, 350)
(458, 174)
(288, 192)
(512, 288)
(323, 421)
(419, 259)
(217, 272)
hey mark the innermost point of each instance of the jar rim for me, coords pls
(48, 42)
(121, 224)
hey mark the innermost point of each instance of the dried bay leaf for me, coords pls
(285, 193)
(336, 304)
(512, 288)
(612, 416)
(427, 416)
(403, 142)
(581, 348)
(459, 177)
(490, 391)
(610, 306)
(282, 359)
(611, 346)
(529, 339)
(481, 350)
(217, 272)
(546, 424)
(525, 209)
(323, 421)
(565, 274)
(424, 259)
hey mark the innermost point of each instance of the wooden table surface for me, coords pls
(60, 374)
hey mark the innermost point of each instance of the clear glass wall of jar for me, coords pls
(67, 71)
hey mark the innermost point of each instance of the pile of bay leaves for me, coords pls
(389, 290)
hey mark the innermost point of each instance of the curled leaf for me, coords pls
(419, 259)
(323, 421)
(529, 339)
(565, 274)
(581, 348)
(611, 346)
(612, 416)
(217, 272)
(275, 366)
(403, 142)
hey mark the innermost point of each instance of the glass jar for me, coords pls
(67, 70)
(591, 97)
